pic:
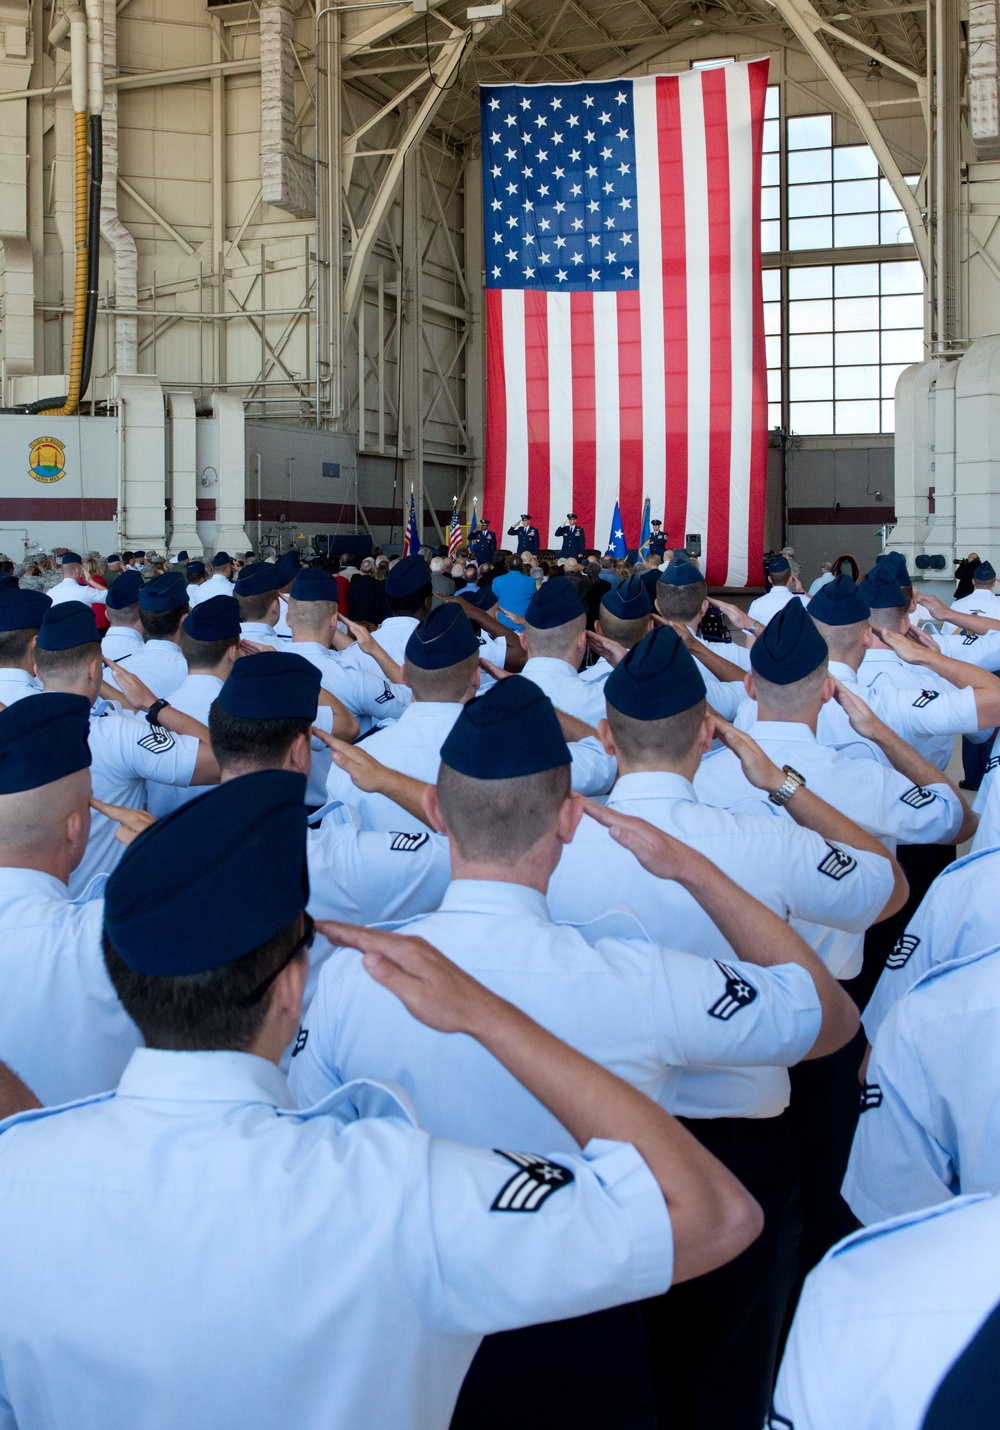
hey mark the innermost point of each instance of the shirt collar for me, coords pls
(843, 672)
(652, 784)
(783, 730)
(13, 675)
(493, 896)
(204, 1077)
(33, 881)
(430, 709)
(554, 664)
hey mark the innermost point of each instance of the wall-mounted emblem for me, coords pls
(47, 459)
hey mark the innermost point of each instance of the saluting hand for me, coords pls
(658, 853)
(131, 822)
(603, 645)
(494, 670)
(758, 767)
(907, 650)
(861, 715)
(733, 614)
(134, 693)
(254, 648)
(364, 770)
(935, 607)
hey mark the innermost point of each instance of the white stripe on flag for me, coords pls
(516, 487)
(560, 413)
(647, 171)
(607, 413)
(699, 330)
(741, 269)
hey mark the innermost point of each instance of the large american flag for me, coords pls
(625, 342)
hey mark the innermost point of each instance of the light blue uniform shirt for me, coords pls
(369, 698)
(16, 684)
(987, 806)
(159, 665)
(885, 1315)
(564, 687)
(930, 1111)
(192, 1252)
(121, 641)
(639, 1009)
(263, 634)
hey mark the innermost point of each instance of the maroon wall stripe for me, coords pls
(841, 516)
(58, 508)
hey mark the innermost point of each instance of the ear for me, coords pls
(597, 626)
(570, 814)
(95, 670)
(477, 677)
(868, 638)
(275, 608)
(289, 989)
(521, 638)
(299, 757)
(704, 608)
(905, 626)
(232, 653)
(606, 738)
(749, 686)
(431, 807)
(829, 689)
(706, 734)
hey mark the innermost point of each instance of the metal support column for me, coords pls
(945, 185)
(475, 348)
(411, 347)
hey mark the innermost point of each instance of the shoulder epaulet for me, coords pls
(900, 1223)
(37, 1113)
(357, 1099)
(617, 921)
(964, 862)
(941, 969)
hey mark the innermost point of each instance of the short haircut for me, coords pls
(780, 578)
(255, 608)
(311, 615)
(792, 697)
(887, 618)
(209, 1011)
(159, 625)
(14, 645)
(59, 662)
(499, 821)
(982, 585)
(841, 640)
(556, 642)
(206, 654)
(448, 685)
(124, 615)
(412, 602)
(680, 603)
(671, 739)
(626, 633)
(256, 744)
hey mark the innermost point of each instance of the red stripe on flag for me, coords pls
(581, 320)
(630, 414)
(495, 465)
(675, 331)
(713, 88)
(536, 367)
(758, 443)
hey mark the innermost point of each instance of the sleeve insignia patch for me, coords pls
(837, 863)
(387, 694)
(532, 1184)
(871, 1097)
(916, 797)
(158, 740)
(739, 993)
(903, 948)
(301, 1038)
(407, 843)
(924, 698)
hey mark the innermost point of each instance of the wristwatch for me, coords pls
(153, 717)
(792, 781)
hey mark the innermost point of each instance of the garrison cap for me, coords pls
(315, 584)
(629, 600)
(839, 603)
(442, 639)
(43, 738)
(71, 558)
(510, 731)
(217, 619)
(222, 558)
(164, 593)
(182, 556)
(258, 579)
(984, 572)
(484, 599)
(191, 870)
(138, 555)
(790, 648)
(407, 577)
(21, 610)
(779, 564)
(680, 571)
(124, 591)
(113, 558)
(286, 568)
(276, 685)
(881, 587)
(66, 626)
(655, 679)
(554, 604)
(196, 568)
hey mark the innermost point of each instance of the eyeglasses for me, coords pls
(305, 943)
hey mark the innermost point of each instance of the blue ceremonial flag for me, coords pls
(411, 541)
(616, 541)
(473, 524)
(646, 532)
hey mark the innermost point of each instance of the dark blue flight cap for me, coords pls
(43, 738)
(315, 584)
(258, 579)
(629, 600)
(222, 558)
(407, 577)
(124, 591)
(217, 619)
(71, 558)
(655, 679)
(22, 610)
(510, 731)
(779, 564)
(680, 572)
(881, 588)
(442, 639)
(182, 556)
(276, 685)
(839, 603)
(984, 572)
(966, 1396)
(164, 593)
(554, 604)
(896, 562)
(194, 868)
(790, 648)
(67, 625)
(116, 556)
(483, 599)
(8, 582)
(286, 568)
(196, 568)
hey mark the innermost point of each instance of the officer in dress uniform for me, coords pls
(527, 535)
(62, 1028)
(124, 634)
(321, 1234)
(163, 604)
(256, 589)
(21, 614)
(573, 540)
(657, 539)
(483, 543)
(555, 638)
(609, 996)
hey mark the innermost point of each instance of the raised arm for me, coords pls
(367, 643)
(14, 1096)
(372, 777)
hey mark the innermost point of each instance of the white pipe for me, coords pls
(125, 258)
(78, 60)
(95, 55)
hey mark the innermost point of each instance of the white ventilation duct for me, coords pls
(17, 278)
(287, 176)
(125, 259)
(984, 94)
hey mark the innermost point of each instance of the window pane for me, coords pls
(859, 197)
(772, 101)
(771, 281)
(902, 278)
(813, 350)
(856, 280)
(772, 318)
(812, 317)
(893, 228)
(774, 414)
(773, 347)
(888, 417)
(854, 161)
(855, 231)
(903, 346)
(857, 416)
(810, 384)
(810, 131)
(857, 382)
(888, 202)
(853, 314)
(903, 312)
(770, 236)
(809, 418)
(774, 385)
(770, 169)
(809, 232)
(772, 136)
(813, 166)
(855, 347)
(770, 203)
(810, 282)
(805, 200)
(890, 376)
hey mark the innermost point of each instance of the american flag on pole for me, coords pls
(411, 538)
(454, 529)
(625, 341)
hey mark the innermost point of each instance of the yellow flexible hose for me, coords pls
(80, 287)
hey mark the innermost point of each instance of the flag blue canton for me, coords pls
(559, 187)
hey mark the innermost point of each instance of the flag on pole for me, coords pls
(411, 541)
(472, 525)
(454, 529)
(616, 541)
(625, 342)
(646, 532)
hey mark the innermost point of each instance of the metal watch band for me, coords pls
(792, 781)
